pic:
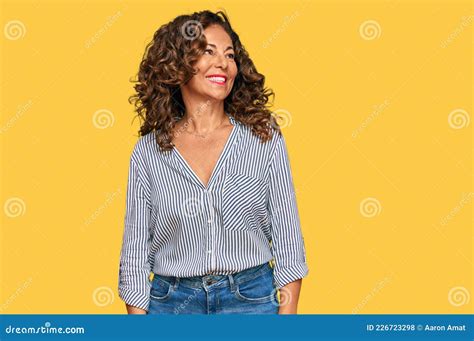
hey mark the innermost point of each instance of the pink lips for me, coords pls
(217, 79)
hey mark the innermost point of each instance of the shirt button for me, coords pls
(209, 221)
(209, 251)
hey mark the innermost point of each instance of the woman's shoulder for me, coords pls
(255, 141)
(144, 147)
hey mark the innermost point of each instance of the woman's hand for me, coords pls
(131, 310)
(289, 296)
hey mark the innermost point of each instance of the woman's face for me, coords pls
(216, 67)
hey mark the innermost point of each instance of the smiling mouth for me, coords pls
(217, 80)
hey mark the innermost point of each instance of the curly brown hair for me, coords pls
(168, 62)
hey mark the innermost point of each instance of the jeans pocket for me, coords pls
(257, 290)
(160, 289)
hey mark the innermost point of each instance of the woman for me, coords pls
(210, 207)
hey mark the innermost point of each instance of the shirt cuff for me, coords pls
(135, 299)
(283, 276)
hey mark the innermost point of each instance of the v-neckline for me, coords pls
(220, 159)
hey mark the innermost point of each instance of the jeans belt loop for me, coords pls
(176, 282)
(232, 283)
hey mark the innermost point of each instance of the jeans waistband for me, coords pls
(210, 280)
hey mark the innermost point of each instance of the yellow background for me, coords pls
(367, 89)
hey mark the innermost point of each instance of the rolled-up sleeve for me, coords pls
(287, 239)
(134, 272)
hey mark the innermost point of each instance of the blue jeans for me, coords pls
(251, 291)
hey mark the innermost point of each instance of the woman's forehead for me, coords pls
(216, 35)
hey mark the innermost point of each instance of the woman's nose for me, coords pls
(221, 61)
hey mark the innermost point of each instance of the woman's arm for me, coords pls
(131, 310)
(134, 269)
(287, 239)
(289, 296)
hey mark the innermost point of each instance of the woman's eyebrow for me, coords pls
(227, 48)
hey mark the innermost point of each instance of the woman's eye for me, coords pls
(231, 55)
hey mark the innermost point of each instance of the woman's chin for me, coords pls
(217, 96)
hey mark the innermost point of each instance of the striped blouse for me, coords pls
(247, 215)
